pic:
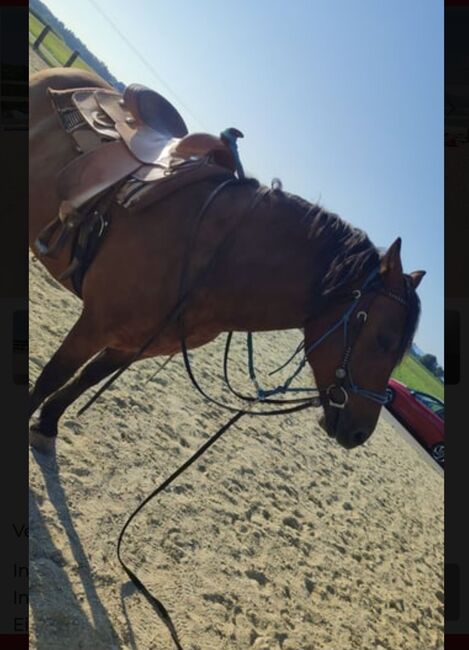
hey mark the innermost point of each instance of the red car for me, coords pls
(422, 415)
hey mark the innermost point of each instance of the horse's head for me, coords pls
(371, 325)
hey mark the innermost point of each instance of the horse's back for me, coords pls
(63, 78)
(58, 79)
(40, 105)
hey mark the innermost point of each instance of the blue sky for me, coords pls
(341, 100)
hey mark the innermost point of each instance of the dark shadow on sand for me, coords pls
(47, 572)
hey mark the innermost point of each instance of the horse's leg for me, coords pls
(44, 431)
(80, 344)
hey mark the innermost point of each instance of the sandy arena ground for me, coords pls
(277, 539)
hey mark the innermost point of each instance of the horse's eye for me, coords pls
(385, 342)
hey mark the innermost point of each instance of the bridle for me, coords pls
(338, 392)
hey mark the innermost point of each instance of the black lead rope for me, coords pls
(154, 602)
(178, 313)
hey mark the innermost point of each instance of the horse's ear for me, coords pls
(391, 266)
(416, 277)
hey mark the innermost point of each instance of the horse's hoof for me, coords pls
(41, 443)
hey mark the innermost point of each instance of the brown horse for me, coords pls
(289, 264)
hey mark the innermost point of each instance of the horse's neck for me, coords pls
(267, 279)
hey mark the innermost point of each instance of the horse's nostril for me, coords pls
(360, 437)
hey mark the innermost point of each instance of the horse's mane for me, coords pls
(350, 256)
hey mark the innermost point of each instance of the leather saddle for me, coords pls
(138, 133)
(135, 149)
(150, 126)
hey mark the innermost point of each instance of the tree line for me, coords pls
(431, 363)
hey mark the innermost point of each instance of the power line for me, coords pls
(146, 63)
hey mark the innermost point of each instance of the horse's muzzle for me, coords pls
(335, 424)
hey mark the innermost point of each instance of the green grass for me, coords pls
(413, 374)
(53, 49)
(79, 63)
(35, 26)
(56, 48)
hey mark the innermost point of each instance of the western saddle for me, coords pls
(135, 149)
